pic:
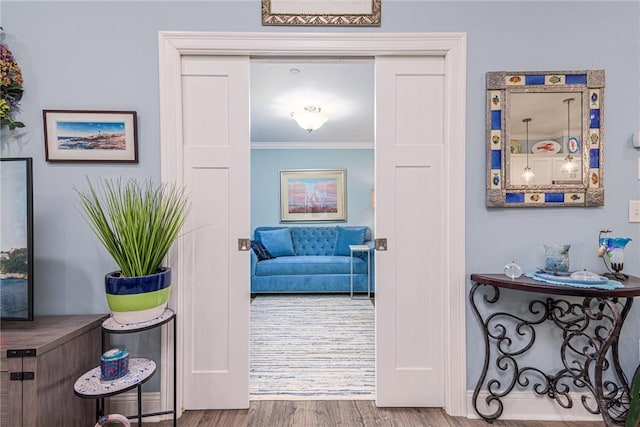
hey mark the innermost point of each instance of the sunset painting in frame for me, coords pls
(313, 195)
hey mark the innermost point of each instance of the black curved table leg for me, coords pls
(591, 330)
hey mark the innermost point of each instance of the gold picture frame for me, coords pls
(322, 13)
(311, 195)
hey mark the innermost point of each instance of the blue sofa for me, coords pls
(310, 260)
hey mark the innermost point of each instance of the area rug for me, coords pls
(312, 347)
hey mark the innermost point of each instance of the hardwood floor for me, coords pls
(347, 413)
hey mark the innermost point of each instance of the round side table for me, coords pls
(89, 386)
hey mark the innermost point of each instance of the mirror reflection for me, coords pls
(545, 138)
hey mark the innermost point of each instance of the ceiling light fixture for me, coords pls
(310, 118)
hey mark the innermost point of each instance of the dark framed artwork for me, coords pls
(90, 136)
(16, 239)
(311, 195)
(322, 12)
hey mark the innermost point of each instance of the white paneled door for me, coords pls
(409, 214)
(215, 130)
(420, 285)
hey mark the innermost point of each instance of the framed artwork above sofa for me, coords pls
(313, 195)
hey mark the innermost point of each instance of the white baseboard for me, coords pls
(127, 404)
(526, 405)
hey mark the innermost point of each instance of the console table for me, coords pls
(590, 326)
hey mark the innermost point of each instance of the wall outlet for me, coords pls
(634, 210)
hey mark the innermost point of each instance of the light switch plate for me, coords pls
(634, 210)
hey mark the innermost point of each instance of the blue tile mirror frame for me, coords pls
(544, 138)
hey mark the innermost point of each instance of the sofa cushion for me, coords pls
(346, 236)
(313, 240)
(312, 264)
(278, 241)
(261, 252)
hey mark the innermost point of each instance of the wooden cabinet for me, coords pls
(40, 361)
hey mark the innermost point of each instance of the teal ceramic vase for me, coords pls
(556, 258)
(137, 299)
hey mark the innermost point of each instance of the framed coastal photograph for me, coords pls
(322, 12)
(90, 136)
(313, 195)
(16, 239)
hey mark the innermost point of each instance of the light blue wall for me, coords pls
(103, 55)
(265, 184)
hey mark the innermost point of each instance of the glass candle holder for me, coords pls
(615, 252)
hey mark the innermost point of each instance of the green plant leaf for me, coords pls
(136, 222)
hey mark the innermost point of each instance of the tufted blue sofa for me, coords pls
(313, 268)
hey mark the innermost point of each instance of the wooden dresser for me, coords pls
(40, 362)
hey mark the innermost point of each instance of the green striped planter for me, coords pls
(137, 299)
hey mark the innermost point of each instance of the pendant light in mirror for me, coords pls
(527, 173)
(568, 165)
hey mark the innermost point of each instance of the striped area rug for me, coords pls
(312, 347)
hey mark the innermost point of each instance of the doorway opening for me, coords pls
(312, 342)
(209, 153)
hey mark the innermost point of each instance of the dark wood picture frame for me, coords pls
(90, 136)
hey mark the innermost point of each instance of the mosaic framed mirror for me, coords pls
(545, 138)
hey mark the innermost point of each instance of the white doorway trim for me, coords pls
(451, 46)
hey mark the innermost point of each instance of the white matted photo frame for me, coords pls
(322, 12)
(90, 136)
(310, 195)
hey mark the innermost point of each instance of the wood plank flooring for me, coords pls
(346, 413)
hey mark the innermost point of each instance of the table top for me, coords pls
(631, 286)
(114, 327)
(359, 248)
(90, 386)
(45, 333)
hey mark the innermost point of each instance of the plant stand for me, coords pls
(89, 385)
(110, 326)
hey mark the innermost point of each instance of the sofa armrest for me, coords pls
(254, 261)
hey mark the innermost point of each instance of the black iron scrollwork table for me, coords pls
(590, 326)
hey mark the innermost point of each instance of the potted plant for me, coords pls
(137, 223)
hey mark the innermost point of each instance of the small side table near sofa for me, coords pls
(354, 249)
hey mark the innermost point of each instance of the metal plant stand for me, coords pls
(110, 326)
(590, 326)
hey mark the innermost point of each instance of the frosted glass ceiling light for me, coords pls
(310, 118)
(527, 173)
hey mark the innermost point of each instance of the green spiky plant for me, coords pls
(136, 222)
